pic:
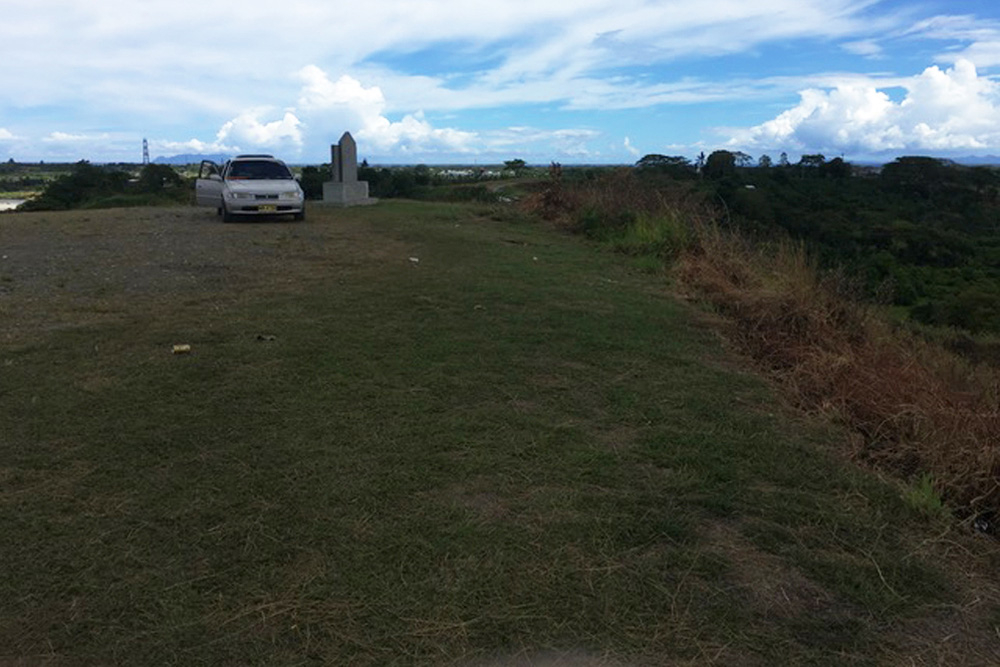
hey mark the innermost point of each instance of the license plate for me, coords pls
(267, 208)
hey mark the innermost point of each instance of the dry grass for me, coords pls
(915, 407)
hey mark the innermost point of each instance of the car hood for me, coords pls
(262, 187)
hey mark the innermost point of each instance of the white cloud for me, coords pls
(632, 150)
(865, 47)
(943, 110)
(982, 37)
(326, 107)
(150, 56)
(331, 107)
(68, 138)
(6, 135)
(191, 146)
(248, 130)
(320, 94)
(183, 69)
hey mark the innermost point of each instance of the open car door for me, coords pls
(208, 187)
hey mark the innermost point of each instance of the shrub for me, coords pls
(89, 186)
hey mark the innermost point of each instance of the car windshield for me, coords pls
(258, 170)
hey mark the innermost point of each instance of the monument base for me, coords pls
(347, 194)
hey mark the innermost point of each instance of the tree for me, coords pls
(312, 179)
(764, 162)
(742, 159)
(915, 175)
(720, 164)
(422, 175)
(836, 168)
(154, 178)
(676, 165)
(783, 159)
(811, 161)
(516, 165)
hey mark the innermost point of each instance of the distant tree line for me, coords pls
(920, 233)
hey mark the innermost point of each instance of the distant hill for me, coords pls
(190, 158)
(977, 160)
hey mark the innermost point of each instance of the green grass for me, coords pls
(518, 443)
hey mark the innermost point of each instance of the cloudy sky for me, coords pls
(467, 81)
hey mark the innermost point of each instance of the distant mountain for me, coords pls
(978, 160)
(190, 158)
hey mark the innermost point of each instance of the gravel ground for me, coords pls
(73, 268)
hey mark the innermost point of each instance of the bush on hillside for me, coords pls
(90, 186)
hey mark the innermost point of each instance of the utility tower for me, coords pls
(145, 152)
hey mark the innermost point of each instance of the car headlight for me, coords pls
(292, 194)
(238, 195)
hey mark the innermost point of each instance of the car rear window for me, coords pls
(258, 170)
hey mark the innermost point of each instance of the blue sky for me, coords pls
(470, 82)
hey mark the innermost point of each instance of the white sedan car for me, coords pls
(250, 185)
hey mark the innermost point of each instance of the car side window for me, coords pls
(207, 169)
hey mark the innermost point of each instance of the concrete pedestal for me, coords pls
(347, 194)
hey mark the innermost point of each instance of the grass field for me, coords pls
(418, 433)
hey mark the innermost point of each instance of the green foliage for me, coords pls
(426, 183)
(812, 161)
(675, 166)
(922, 234)
(662, 235)
(517, 166)
(835, 168)
(158, 178)
(923, 497)
(91, 186)
(719, 165)
(312, 180)
(86, 182)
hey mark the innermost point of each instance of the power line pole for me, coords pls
(145, 152)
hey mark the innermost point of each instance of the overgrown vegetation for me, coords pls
(916, 409)
(920, 233)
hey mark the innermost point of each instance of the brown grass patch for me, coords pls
(916, 407)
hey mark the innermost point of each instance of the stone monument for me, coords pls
(345, 189)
